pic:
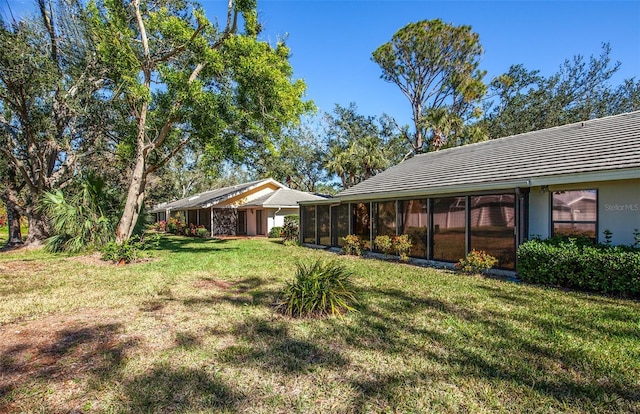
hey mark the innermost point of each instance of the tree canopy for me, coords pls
(48, 78)
(435, 65)
(523, 100)
(359, 146)
(180, 79)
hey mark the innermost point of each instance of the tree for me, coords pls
(524, 100)
(435, 65)
(180, 79)
(359, 146)
(47, 78)
(297, 161)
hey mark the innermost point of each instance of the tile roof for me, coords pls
(570, 152)
(284, 197)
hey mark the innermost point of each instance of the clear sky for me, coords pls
(331, 41)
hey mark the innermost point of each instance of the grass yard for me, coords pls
(194, 330)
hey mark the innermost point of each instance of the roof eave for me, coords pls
(593, 176)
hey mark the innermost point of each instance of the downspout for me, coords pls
(274, 219)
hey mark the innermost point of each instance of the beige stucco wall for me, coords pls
(618, 208)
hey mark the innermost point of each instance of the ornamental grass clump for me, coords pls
(476, 261)
(318, 289)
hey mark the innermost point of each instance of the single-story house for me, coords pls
(252, 208)
(576, 179)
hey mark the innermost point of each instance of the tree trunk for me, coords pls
(38, 228)
(15, 234)
(133, 205)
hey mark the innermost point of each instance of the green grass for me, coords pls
(195, 330)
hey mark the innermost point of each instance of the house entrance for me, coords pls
(242, 222)
(259, 226)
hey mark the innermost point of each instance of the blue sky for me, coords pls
(332, 41)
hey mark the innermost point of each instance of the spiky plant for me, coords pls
(318, 289)
(78, 221)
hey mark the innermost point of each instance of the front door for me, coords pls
(259, 226)
(242, 222)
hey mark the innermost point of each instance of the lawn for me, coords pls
(193, 329)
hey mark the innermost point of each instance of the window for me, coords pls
(413, 221)
(361, 222)
(339, 224)
(449, 228)
(575, 213)
(386, 218)
(492, 225)
(323, 225)
(308, 224)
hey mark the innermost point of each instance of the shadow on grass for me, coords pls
(177, 244)
(97, 356)
(488, 345)
(247, 291)
(268, 344)
(71, 354)
(169, 389)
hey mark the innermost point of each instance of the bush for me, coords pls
(320, 288)
(130, 250)
(402, 245)
(291, 228)
(384, 244)
(352, 245)
(600, 268)
(275, 232)
(202, 232)
(476, 262)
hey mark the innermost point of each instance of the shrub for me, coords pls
(160, 226)
(202, 232)
(320, 288)
(291, 228)
(384, 244)
(275, 232)
(352, 245)
(402, 245)
(476, 262)
(175, 226)
(130, 250)
(601, 268)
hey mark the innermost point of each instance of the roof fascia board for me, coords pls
(468, 188)
(320, 201)
(237, 193)
(624, 174)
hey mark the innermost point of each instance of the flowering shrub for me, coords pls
(384, 244)
(402, 244)
(160, 226)
(476, 261)
(352, 245)
(175, 226)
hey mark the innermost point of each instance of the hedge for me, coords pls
(598, 268)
